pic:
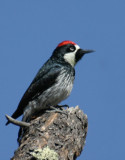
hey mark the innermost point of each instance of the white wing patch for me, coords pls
(70, 57)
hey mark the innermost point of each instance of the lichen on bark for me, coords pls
(65, 134)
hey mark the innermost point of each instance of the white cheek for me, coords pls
(70, 57)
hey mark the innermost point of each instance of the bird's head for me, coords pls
(70, 52)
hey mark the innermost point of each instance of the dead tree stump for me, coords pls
(54, 136)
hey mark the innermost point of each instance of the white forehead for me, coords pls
(77, 47)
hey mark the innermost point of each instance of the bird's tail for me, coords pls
(7, 123)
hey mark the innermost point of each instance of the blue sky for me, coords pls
(30, 31)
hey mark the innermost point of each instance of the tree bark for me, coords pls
(53, 136)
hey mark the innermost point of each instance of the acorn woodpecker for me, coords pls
(53, 82)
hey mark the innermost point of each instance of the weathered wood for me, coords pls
(54, 136)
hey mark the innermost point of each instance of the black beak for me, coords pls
(86, 51)
(80, 53)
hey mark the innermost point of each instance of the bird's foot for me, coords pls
(58, 109)
(62, 106)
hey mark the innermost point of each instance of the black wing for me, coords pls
(44, 79)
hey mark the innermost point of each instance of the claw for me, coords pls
(55, 109)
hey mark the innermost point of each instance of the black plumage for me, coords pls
(53, 82)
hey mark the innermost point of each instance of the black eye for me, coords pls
(71, 49)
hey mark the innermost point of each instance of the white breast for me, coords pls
(58, 92)
(52, 96)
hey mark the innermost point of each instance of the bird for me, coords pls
(53, 83)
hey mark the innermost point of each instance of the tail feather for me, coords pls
(7, 123)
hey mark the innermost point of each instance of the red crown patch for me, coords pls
(65, 43)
